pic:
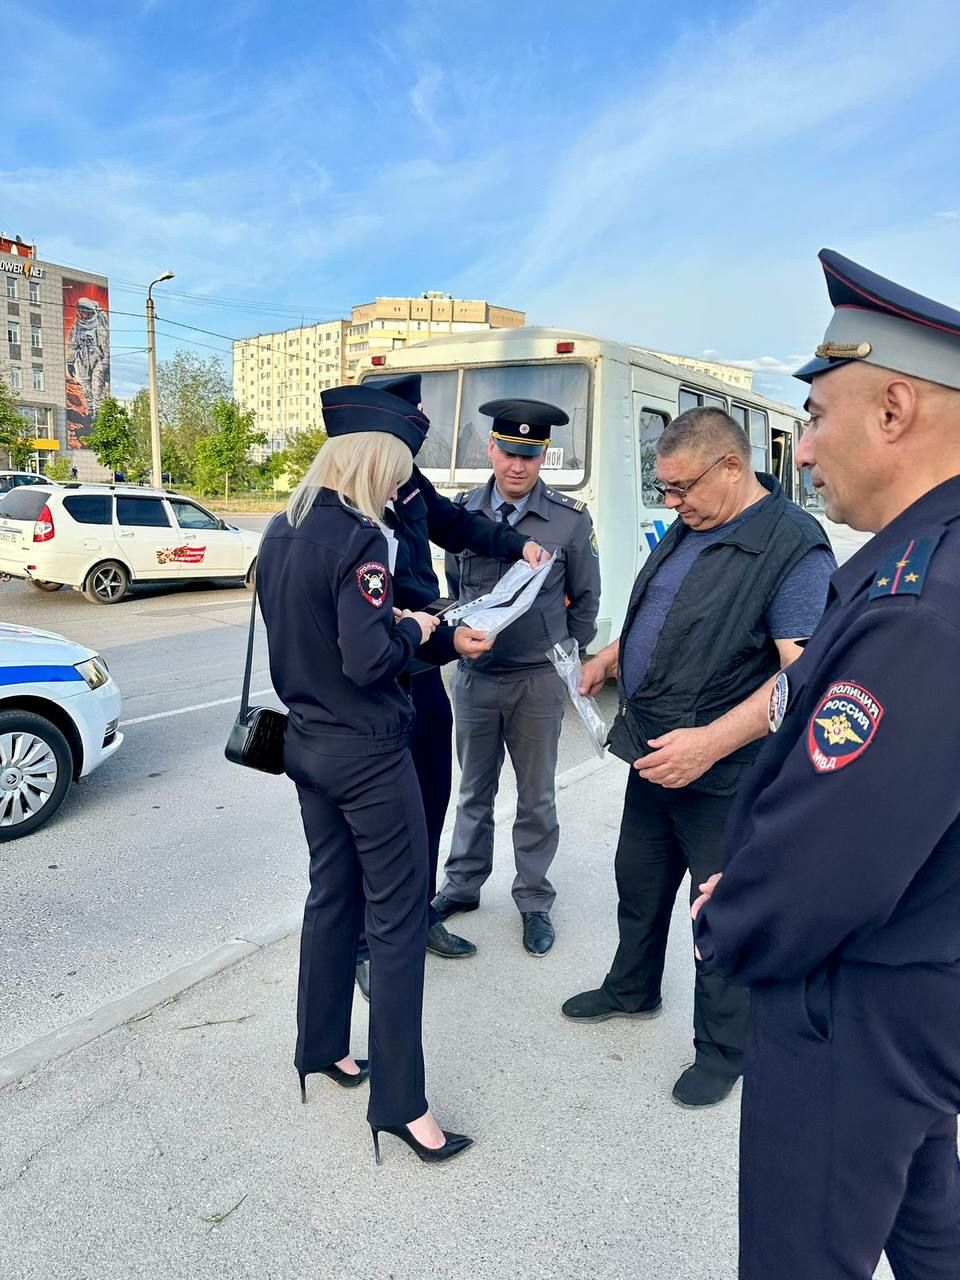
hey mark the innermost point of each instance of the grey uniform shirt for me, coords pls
(563, 526)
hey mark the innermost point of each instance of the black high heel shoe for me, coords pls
(343, 1078)
(455, 1143)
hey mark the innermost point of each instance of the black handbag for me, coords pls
(256, 739)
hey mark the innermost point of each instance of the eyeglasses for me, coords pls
(681, 490)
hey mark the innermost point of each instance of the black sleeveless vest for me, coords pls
(713, 650)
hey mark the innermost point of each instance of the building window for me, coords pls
(34, 291)
(36, 336)
(12, 287)
(16, 381)
(38, 377)
(13, 332)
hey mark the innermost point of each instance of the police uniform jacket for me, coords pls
(335, 649)
(845, 835)
(563, 526)
(420, 516)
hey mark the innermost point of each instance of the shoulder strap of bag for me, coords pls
(245, 693)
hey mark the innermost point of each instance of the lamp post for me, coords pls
(152, 375)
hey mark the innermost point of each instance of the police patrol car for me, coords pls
(99, 538)
(59, 718)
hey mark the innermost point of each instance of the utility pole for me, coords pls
(152, 376)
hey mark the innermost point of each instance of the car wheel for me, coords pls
(107, 583)
(250, 581)
(45, 586)
(36, 768)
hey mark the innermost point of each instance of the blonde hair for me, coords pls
(364, 468)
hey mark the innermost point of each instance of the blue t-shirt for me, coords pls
(792, 614)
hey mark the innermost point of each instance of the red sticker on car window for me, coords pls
(372, 579)
(842, 727)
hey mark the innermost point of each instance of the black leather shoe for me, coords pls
(698, 1087)
(538, 933)
(363, 979)
(440, 942)
(596, 1006)
(345, 1079)
(446, 907)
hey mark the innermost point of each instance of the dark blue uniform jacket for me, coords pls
(421, 516)
(335, 650)
(845, 836)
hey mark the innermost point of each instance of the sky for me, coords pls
(661, 175)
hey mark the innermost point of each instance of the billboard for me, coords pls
(86, 341)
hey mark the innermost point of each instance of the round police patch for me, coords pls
(842, 727)
(372, 579)
(779, 697)
(594, 544)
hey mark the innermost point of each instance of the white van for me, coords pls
(99, 538)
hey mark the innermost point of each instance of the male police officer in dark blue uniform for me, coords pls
(840, 902)
(421, 515)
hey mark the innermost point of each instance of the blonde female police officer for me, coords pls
(336, 649)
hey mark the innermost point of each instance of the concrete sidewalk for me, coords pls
(176, 1144)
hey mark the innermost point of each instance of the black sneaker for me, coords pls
(446, 907)
(596, 1006)
(698, 1087)
(441, 942)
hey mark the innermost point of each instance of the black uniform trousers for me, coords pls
(848, 1137)
(663, 834)
(431, 747)
(364, 824)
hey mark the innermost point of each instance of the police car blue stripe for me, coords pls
(38, 675)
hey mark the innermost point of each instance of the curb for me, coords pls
(74, 1035)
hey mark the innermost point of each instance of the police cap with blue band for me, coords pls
(397, 412)
(878, 322)
(523, 426)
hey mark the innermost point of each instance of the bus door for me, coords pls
(650, 415)
(782, 460)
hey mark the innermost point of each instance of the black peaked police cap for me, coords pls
(523, 426)
(348, 410)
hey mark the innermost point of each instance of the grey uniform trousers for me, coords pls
(523, 716)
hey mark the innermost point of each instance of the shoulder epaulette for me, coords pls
(360, 517)
(903, 573)
(564, 500)
(460, 498)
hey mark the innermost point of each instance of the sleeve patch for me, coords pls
(373, 579)
(779, 699)
(842, 727)
(594, 544)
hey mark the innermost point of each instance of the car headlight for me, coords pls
(94, 671)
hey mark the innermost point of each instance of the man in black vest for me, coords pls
(719, 608)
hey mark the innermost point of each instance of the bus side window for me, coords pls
(650, 425)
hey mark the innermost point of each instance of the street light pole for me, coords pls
(152, 376)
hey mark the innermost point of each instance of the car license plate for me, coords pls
(8, 535)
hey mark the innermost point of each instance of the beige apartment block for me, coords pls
(730, 373)
(280, 376)
(387, 323)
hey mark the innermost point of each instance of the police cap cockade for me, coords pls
(878, 322)
(523, 426)
(348, 410)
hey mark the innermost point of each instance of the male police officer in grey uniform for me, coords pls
(511, 698)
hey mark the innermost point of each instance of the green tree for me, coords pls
(16, 434)
(58, 468)
(301, 450)
(223, 455)
(112, 438)
(264, 474)
(141, 461)
(188, 387)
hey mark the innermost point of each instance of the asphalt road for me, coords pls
(167, 850)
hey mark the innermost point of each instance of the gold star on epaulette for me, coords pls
(883, 582)
(913, 577)
(902, 564)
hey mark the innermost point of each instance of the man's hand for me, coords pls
(470, 644)
(706, 893)
(678, 758)
(593, 675)
(534, 554)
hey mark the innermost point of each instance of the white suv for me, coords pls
(99, 538)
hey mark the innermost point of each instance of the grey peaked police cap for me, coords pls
(881, 323)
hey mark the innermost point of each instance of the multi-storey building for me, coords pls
(732, 373)
(388, 323)
(280, 376)
(55, 349)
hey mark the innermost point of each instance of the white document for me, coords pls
(509, 600)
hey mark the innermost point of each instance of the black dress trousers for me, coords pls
(363, 819)
(663, 834)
